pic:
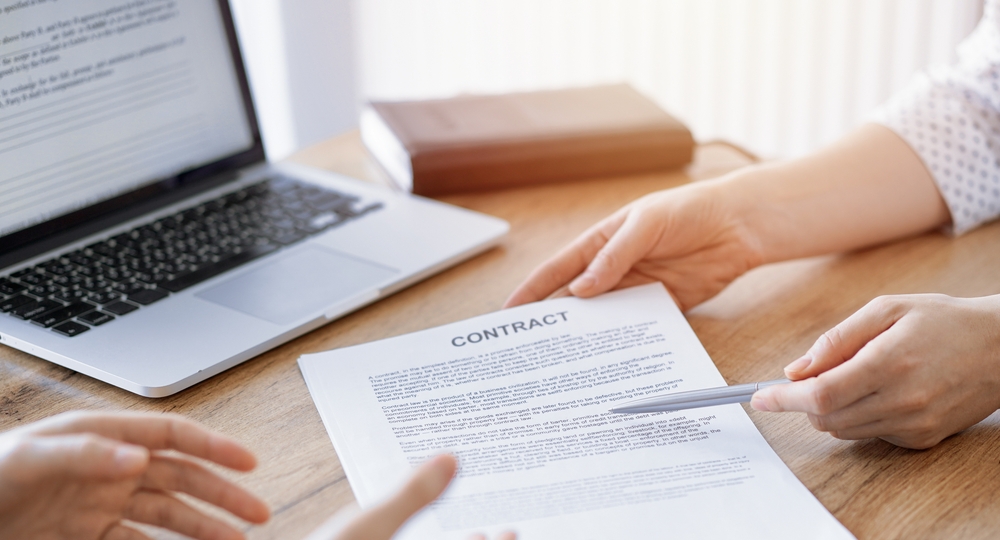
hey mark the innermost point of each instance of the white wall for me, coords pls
(780, 77)
(300, 56)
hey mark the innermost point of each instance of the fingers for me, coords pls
(902, 422)
(626, 246)
(917, 381)
(908, 432)
(573, 259)
(167, 473)
(832, 390)
(836, 383)
(506, 535)
(119, 531)
(79, 456)
(165, 511)
(870, 430)
(866, 410)
(157, 432)
(843, 341)
(427, 483)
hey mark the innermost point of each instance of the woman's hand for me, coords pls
(867, 188)
(910, 370)
(382, 521)
(692, 238)
(79, 475)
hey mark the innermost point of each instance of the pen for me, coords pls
(679, 401)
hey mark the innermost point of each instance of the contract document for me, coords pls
(521, 397)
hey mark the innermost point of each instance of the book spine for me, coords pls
(500, 165)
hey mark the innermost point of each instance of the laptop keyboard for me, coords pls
(95, 285)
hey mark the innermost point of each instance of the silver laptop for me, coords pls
(144, 239)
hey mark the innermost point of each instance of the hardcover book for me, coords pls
(482, 142)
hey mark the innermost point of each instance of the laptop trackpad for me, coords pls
(303, 283)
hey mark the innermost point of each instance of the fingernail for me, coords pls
(130, 457)
(584, 282)
(799, 365)
(758, 404)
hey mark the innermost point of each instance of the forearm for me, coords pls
(868, 188)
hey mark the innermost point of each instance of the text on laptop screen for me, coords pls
(101, 97)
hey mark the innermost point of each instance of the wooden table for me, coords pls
(752, 330)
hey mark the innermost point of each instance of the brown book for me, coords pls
(471, 143)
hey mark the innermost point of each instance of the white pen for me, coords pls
(679, 401)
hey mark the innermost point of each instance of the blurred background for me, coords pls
(778, 77)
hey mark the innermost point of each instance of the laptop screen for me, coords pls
(102, 98)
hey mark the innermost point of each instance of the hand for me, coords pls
(78, 475)
(866, 189)
(910, 370)
(382, 521)
(693, 239)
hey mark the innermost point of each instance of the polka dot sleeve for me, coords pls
(951, 118)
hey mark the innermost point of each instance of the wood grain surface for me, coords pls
(751, 330)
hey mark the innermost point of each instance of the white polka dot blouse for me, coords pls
(951, 118)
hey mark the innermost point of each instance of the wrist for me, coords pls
(790, 214)
(745, 199)
(991, 330)
(866, 189)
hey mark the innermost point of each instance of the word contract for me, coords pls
(522, 398)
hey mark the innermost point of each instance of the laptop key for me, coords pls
(331, 204)
(184, 281)
(15, 302)
(120, 307)
(84, 271)
(34, 309)
(65, 281)
(44, 289)
(282, 185)
(323, 221)
(57, 268)
(96, 318)
(55, 317)
(32, 278)
(139, 267)
(130, 288)
(101, 248)
(9, 287)
(104, 297)
(23, 272)
(80, 259)
(148, 296)
(71, 328)
(69, 296)
(289, 237)
(96, 285)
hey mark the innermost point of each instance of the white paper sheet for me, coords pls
(521, 396)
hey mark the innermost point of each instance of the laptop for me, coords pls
(145, 241)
